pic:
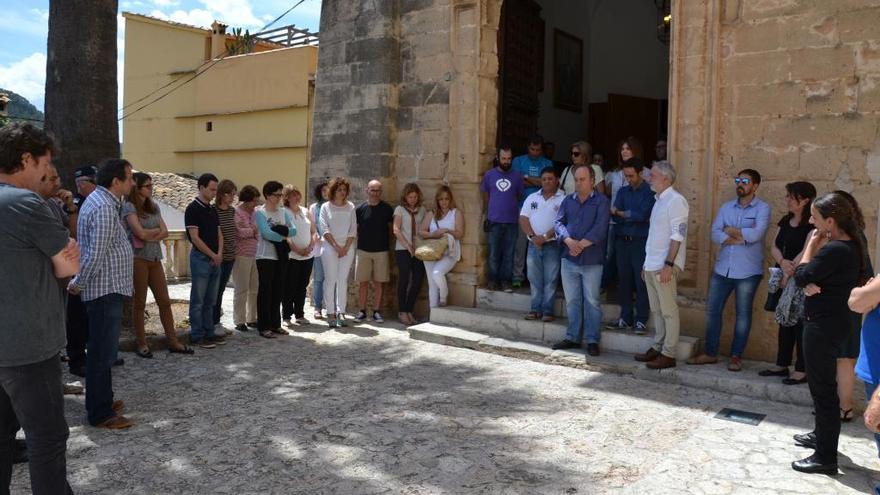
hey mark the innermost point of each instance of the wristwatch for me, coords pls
(669, 263)
(531, 236)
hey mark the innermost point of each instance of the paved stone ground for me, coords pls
(366, 410)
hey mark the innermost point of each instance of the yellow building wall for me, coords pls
(259, 106)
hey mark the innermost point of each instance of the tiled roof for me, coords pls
(175, 190)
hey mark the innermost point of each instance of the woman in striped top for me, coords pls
(223, 204)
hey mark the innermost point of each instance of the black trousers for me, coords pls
(296, 281)
(791, 339)
(410, 275)
(33, 393)
(822, 340)
(271, 284)
(77, 331)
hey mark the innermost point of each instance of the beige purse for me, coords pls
(431, 249)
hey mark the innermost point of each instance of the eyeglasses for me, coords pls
(276, 195)
(742, 180)
(575, 154)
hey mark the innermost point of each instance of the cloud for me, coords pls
(31, 22)
(26, 77)
(236, 13)
(194, 17)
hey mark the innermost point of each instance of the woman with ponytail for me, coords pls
(830, 268)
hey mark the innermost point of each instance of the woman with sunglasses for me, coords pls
(143, 219)
(226, 191)
(581, 153)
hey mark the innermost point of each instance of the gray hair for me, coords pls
(665, 168)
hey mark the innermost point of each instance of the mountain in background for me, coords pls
(23, 109)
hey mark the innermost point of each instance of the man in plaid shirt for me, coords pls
(105, 277)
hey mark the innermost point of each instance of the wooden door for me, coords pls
(624, 116)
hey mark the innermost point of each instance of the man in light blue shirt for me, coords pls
(529, 166)
(739, 228)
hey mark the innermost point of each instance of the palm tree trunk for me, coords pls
(81, 88)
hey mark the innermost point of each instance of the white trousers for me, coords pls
(336, 271)
(437, 287)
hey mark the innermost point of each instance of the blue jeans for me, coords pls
(609, 271)
(719, 290)
(205, 283)
(225, 273)
(543, 268)
(630, 256)
(318, 285)
(502, 243)
(581, 285)
(105, 321)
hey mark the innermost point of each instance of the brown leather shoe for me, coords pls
(648, 356)
(703, 359)
(661, 362)
(118, 406)
(116, 423)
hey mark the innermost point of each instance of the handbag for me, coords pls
(281, 247)
(774, 292)
(431, 249)
(137, 242)
(790, 310)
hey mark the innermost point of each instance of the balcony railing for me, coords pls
(175, 249)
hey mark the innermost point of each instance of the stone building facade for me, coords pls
(408, 90)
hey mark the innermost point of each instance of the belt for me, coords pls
(630, 238)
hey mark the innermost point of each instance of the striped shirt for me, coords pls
(230, 233)
(106, 258)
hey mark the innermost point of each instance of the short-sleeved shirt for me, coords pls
(791, 240)
(868, 366)
(203, 217)
(151, 251)
(227, 228)
(32, 326)
(530, 167)
(373, 225)
(503, 189)
(541, 211)
(407, 221)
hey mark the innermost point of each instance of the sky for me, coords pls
(24, 28)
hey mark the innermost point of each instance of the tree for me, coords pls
(81, 88)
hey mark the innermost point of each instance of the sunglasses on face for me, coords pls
(742, 180)
(575, 154)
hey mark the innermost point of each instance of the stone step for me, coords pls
(512, 326)
(521, 302)
(712, 377)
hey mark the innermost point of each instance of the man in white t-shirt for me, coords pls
(664, 261)
(537, 220)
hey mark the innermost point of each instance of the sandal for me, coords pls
(846, 415)
(267, 334)
(181, 350)
(144, 353)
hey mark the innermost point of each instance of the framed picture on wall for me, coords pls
(568, 71)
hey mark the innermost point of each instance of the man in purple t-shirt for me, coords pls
(501, 188)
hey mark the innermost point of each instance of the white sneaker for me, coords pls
(620, 325)
(377, 317)
(361, 316)
(640, 328)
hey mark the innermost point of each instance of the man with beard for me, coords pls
(501, 188)
(739, 228)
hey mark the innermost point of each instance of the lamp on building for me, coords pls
(664, 20)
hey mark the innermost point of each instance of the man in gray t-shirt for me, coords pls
(35, 252)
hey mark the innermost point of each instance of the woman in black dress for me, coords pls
(790, 240)
(829, 269)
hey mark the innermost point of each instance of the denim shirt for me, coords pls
(584, 220)
(636, 205)
(740, 261)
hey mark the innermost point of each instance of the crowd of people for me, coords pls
(71, 260)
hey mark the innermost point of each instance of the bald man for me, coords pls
(374, 220)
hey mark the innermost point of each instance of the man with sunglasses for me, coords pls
(739, 229)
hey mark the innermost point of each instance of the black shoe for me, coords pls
(782, 372)
(241, 327)
(19, 452)
(813, 465)
(492, 286)
(593, 349)
(807, 440)
(78, 370)
(565, 344)
(792, 381)
(119, 362)
(216, 340)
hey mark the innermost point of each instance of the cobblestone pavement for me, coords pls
(365, 410)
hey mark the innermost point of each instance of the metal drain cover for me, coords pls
(738, 416)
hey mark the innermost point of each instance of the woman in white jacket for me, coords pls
(339, 224)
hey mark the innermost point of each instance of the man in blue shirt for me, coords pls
(739, 228)
(632, 212)
(529, 166)
(582, 229)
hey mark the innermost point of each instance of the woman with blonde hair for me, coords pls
(144, 220)
(581, 153)
(339, 224)
(410, 270)
(443, 222)
(301, 258)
